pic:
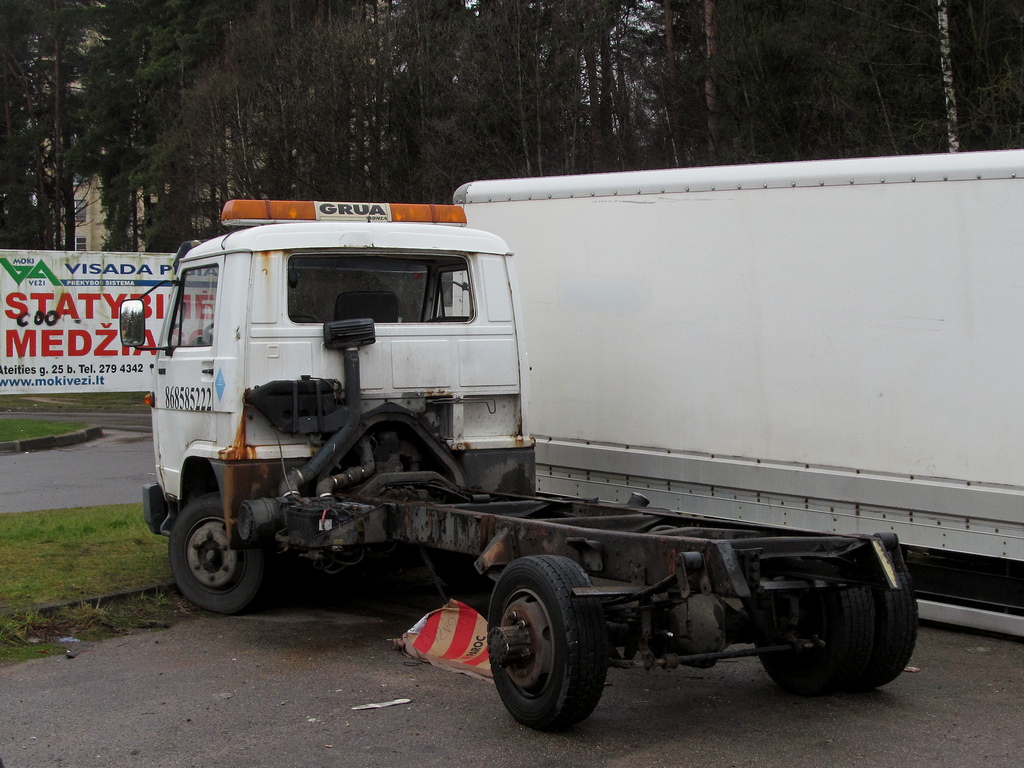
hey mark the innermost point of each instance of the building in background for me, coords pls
(90, 222)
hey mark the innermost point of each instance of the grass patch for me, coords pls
(30, 634)
(69, 554)
(74, 554)
(23, 429)
(127, 402)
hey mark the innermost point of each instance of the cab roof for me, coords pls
(318, 235)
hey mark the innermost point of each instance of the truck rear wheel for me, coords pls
(208, 572)
(895, 635)
(843, 620)
(548, 650)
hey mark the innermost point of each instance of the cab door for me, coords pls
(185, 394)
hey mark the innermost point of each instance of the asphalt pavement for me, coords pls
(110, 469)
(277, 688)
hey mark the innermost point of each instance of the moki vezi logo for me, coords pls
(29, 271)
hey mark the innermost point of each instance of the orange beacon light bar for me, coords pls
(246, 213)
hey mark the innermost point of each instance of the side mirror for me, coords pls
(132, 316)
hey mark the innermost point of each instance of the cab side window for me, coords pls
(452, 299)
(194, 313)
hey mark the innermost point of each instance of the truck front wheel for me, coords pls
(548, 649)
(208, 572)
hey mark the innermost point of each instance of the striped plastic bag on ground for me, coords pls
(453, 637)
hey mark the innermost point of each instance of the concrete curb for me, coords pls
(46, 608)
(52, 441)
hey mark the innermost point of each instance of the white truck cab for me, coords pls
(425, 371)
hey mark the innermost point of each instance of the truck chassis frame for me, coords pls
(582, 585)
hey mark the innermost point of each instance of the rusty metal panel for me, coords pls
(592, 537)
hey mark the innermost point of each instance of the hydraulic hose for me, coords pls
(331, 450)
(367, 466)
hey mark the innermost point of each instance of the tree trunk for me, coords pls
(710, 92)
(597, 146)
(671, 82)
(945, 52)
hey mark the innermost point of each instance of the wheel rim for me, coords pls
(526, 610)
(210, 560)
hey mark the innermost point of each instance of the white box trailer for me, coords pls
(831, 345)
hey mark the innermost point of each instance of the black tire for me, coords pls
(207, 571)
(844, 619)
(895, 635)
(562, 680)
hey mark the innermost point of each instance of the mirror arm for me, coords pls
(175, 282)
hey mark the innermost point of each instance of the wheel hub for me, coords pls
(209, 557)
(509, 645)
(523, 644)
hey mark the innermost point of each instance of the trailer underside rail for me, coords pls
(983, 593)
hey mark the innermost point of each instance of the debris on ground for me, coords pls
(453, 637)
(382, 704)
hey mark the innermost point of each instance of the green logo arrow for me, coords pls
(25, 272)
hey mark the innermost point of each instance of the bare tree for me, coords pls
(945, 54)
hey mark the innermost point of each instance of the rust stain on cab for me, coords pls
(238, 450)
(244, 480)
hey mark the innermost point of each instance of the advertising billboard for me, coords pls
(58, 319)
